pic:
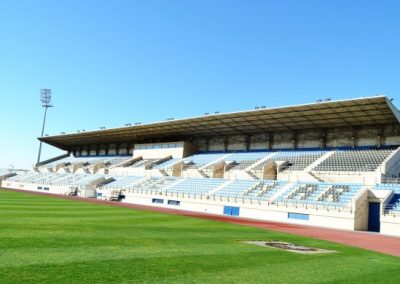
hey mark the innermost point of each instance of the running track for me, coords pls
(365, 240)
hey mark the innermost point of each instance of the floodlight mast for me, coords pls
(45, 97)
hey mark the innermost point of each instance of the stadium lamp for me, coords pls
(45, 97)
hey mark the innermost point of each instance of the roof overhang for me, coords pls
(370, 111)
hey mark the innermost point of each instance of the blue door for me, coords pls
(235, 211)
(231, 211)
(227, 210)
(374, 222)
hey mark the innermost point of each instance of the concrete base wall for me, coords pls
(390, 225)
(63, 190)
(320, 218)
(345, 219)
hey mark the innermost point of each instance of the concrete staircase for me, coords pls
(211, 192)
(319, 161)
(215, 161)
(249, 168)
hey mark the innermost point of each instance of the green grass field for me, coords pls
(49, 240)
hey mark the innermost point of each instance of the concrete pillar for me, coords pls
(247, 141)
(207, 144)
(380, 138)
(270, 140)
(295, 141)
(354, 138)
(226, 143)
(323, 139)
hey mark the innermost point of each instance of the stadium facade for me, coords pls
(331, 164)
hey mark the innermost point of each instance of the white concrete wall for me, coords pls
(390, 225)
(318, 217)
(159, 150)
(63, 190)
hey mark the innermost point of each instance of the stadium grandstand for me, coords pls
(331, 164)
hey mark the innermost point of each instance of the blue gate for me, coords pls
(235, 211)
(231, 211)
(374, 222)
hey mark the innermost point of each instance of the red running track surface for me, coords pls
(370, 241)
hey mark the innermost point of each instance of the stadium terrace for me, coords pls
(329, 164)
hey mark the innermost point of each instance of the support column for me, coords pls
(270, 140)
(247, 141)
(380, 138)
(207, 144)
(354, 138)
(226, 143)
(295, 141)
(323, 139)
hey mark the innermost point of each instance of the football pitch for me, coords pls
(50, 240)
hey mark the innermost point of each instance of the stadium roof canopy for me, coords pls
(369, 111)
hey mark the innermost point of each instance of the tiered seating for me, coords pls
(5, 172)
(155, 183)
(320, 194)
(297, 160)
(75, 160)
(25, 177)
(303, 191)
(167, 164)
(264, 190)
(108, 161)
(394, 204)
(197, 161)
(354, 160)
(89, 162)
(195, 186)
(236, 189)
(123, 183)
(387, 186)
(113, 161)
(340, 194)
(244, 160)
(64, 179)
(142, 163)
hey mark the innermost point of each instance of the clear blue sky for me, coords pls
(113, 62)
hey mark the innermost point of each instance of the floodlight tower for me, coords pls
(45, 97)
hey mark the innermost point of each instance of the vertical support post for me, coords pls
(226, 143)
(45, 97)
(247, 141)
(323, 139)
(270, 140)
(40, 144)
(207, 144)
(295, 140)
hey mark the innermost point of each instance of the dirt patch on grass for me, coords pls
(289, 247)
